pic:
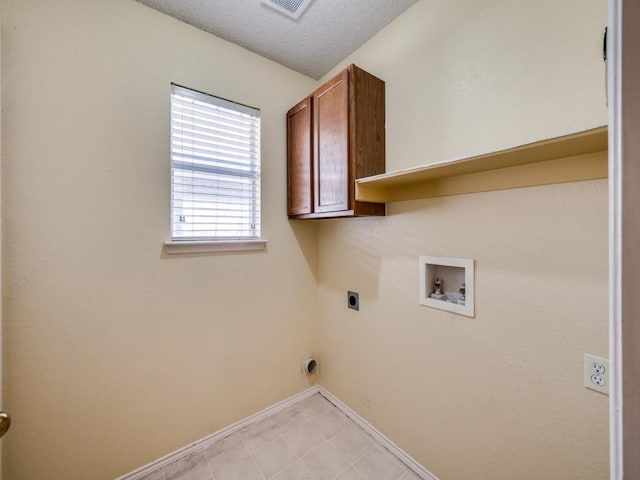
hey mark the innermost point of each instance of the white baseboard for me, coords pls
(203, 443)
(379, 437)
(219, 435)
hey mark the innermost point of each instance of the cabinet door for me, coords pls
(299, 154)
(331, 145)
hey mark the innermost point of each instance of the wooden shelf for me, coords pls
(571, 158)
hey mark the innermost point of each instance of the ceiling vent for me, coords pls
(291, 8)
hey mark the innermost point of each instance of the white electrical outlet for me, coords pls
(596, 373)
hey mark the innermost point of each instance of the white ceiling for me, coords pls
(326, 33)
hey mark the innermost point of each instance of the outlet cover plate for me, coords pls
(596, 373)
(353, 300)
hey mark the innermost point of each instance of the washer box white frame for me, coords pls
(426, 282)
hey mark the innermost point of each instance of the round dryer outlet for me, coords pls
(309, 365)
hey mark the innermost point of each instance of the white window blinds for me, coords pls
(215, 168)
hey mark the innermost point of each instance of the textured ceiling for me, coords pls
(326, 33)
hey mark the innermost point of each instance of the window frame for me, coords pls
(204, 244)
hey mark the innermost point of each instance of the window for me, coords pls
(215, 168)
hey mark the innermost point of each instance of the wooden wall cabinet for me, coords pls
(335, 136)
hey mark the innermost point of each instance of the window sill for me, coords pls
(181, 247)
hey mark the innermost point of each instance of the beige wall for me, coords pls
(499, 396)
(116, 354)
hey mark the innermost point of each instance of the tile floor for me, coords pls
(311, 440)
